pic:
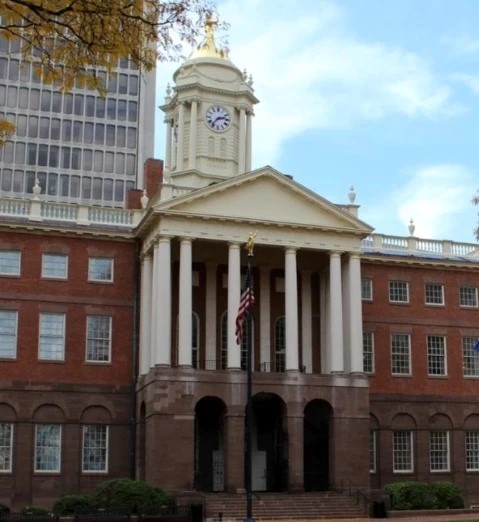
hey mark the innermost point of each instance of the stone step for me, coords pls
(229, 507)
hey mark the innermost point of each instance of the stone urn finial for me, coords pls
(352, 195)
(144, 199)
(411, 227)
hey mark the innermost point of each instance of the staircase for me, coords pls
(225, 507)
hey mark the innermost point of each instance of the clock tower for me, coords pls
(208, 114)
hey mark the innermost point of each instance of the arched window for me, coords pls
(211, 146)
(195, 340)
(279, 344)
(223, 148)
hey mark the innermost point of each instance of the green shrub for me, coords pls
(421, 495)
(71, 504)
(129, 495)
(448, 495)
(34, 510)
(4, 509)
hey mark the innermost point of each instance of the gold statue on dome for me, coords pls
(250, 243)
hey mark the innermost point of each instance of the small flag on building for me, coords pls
(246, 302)
(476, 346)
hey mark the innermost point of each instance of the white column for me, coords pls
(234, 290)
(346, 314)
(169, 131)
(185, 304)
(324, 322)
(291, 310)
(154, 305)
(265, 317)
(356, 317)
(145, 313)
(193, 125)
(336, 313)
(306, 321)
(163, 303)
(210, 317)
(241, 141)
(249, 140)
(180, 140)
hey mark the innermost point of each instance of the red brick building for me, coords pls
(118, 347)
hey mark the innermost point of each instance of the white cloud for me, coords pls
(471, 81)
(310, 74)
(462, 44)
(437, 198)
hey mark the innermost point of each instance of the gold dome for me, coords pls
(207, 48)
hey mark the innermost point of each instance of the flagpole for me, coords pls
(249, 389)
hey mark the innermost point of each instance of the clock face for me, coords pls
(217, 118)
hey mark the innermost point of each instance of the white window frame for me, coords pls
(434, 294)
(373, 439)
(470, 358)
(366, 289)
(368, 352)
(95, 342)
(280, 344)
(44, 337)
(439, 451)
(463, 299)
(56, 449)
(8, 335)
(94, 273)
(396, 287)
(10, 262)
(471, 448)
(436, 358)
(400, 354)
(405, 453)
(94, 449)
(195, 340)
(51, 266)
(6, 447)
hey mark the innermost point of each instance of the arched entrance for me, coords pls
(209, 449)
(317, 420)
(270, 444)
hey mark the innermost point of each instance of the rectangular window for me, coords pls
(368, 352)
(468, 296)
(55, 266)
(434, 294)
(436, 355)
(98, 338)
(439, 451)
(403, 457)
(8, 334)
(9, 262)
(95, 449)
(48, 438)
(400, 354)
(472, 450)
(398, 292)
(52, 337)
(366, 289)
(470, 358)
(100, 269)
(6, 446)
(372, 450)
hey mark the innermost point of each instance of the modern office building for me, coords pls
(80, 146)
(117, 328)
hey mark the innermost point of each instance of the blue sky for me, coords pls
(382, 95)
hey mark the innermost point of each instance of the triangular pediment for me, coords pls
(264, 195)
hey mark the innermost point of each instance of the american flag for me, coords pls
(246, 302)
